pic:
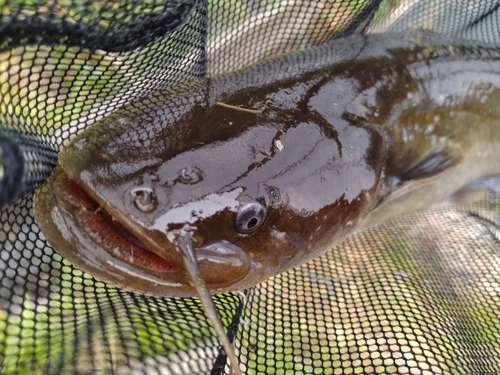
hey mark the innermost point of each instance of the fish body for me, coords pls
(270, 166)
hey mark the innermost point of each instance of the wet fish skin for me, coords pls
(337, 138)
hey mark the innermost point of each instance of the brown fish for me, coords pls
(263, 169)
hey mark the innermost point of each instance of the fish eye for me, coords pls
(250, 217)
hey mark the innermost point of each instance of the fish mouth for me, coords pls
(221, 264)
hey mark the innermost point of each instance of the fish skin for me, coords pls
(337, 138)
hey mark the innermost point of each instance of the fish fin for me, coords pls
(423, 171)
(475, 190)
(408, 189)
(433, 163)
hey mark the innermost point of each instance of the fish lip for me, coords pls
(127, 230)
(150, 245)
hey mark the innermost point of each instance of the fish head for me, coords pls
(257, 193)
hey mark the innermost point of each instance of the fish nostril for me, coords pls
(190, 175)
(144, 199)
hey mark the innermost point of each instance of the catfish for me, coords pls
(222, 183)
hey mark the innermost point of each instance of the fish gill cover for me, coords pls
(418, 294)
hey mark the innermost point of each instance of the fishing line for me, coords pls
(183, 244)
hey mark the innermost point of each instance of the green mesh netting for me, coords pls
(416, 295)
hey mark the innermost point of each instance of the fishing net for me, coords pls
(419, 294)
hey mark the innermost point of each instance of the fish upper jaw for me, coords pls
(150, 251)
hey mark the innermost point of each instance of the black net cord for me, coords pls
(112, 29)
(25, 164)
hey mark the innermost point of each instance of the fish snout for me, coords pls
(222, 264)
